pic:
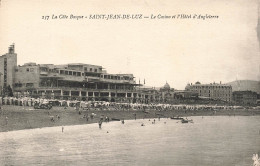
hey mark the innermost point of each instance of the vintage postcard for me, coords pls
(110, 82)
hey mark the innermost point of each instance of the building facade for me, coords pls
(213, 91)
(8, 63)
(71, 81)
(245, 97)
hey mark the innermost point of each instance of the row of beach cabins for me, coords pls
(25, 101)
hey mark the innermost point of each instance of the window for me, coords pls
(27, 69)
(29, 84)
(90, 69)
(95, 70)
(31, 69)
(18, 85)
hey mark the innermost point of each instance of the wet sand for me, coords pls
(20, 117)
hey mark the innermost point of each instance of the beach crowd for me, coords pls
(103, 105)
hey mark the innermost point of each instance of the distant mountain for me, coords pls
(243, 85)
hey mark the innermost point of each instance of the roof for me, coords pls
(244, 92)
(212, 84)
(166, 86)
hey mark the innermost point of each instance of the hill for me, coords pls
(242, 85)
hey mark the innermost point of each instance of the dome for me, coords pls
(166, 86)
(187, 86)
(197, 82)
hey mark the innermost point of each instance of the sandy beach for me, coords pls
(21, 117)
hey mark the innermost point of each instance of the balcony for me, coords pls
(44, 73)
(86, 89)
(91, 78)
(117, 81)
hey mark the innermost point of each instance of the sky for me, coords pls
(177, 51)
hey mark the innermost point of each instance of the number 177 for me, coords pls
(45, 17)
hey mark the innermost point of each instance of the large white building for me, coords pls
(69, 81)
(212, 91)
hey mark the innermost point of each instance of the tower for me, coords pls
(8, 63)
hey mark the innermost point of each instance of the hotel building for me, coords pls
(213, 91)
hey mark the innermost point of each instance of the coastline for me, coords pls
(22, 117)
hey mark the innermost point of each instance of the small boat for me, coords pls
(177, 118)
(186, 121)
(159, 114)
(115, 119)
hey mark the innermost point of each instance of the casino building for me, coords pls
(71, 81)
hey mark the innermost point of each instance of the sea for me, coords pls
(208, 141)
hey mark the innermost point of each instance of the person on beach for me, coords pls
(6, 120)
(87, 117)
(100, 124)
(62, 129)
(52, 118)
(123, 122)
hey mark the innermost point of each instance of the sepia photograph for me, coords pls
(132, 83)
